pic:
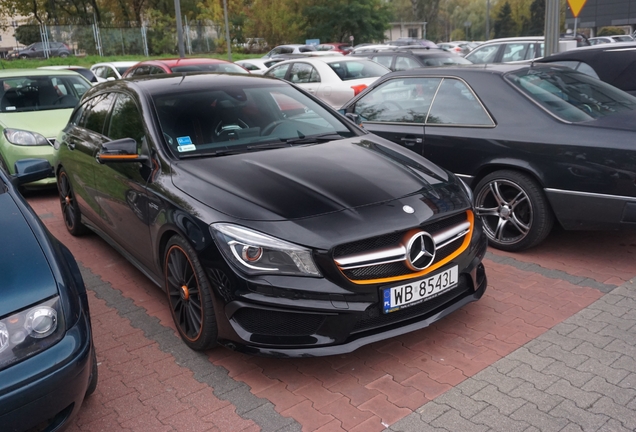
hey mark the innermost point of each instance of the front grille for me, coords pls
(276, 323)
(376, 318)
(396, 269)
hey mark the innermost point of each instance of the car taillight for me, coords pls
(357, 89)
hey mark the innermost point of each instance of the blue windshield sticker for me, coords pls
(185, 148)
(184, 140)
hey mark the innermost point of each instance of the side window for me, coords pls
(110, 73)
(533, 48)
(286, 50)
(303, 73)
(141, 70)
(456, 104)
(126, 121)
(155, 70)
(96, 112)
(401, 100)
(405, 63)
(487, 54)
(100, 71)
(514, 52)
(278, 71)
(383, 60)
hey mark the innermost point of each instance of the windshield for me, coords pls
(214, 121)
(210, 67)
(570, 95)
(38, 93)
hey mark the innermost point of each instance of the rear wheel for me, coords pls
(514, 211)
(70, 211)
(190, 295)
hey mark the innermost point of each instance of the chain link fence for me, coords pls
(199, 38)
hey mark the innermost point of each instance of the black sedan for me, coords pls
(273, 224)
(537, 143)
(47, 358)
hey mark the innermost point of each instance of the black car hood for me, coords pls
(305, 181)
(25, 274)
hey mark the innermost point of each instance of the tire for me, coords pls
(63, 55)
(513, 209)
(189, 295)
(70, 211)
(92, 384)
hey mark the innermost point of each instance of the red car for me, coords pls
(341, 47)
(153, 67)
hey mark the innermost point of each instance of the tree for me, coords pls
(535, 25)
(611, 31)
(504, 24)
(336, 20)
(27, 34)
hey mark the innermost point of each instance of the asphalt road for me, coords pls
(550, 347)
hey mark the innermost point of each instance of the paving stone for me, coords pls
(535, 361)
(567, 357)
(580, 320)
(628, 382)
(566, 390)
(575, 377)
(566, 343)
(599, 339)
(619, 395)
(588, 421)
(537, 345)
(471, 386)
(606, 406)
(618, 322)
(453, 421)
(542, 421)
(432, 410)
(604, 356)
(467, 406)
(492, 418)
(544, 401)
(504, 403)
(504, 383)
(613, 425)
(505, 365)
(614, 332)
(610, 308)
(622, 347)
(539, 380)
(612, 375)
(564, 328)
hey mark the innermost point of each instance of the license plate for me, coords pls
(400, 297)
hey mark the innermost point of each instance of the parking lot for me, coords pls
(551, 346)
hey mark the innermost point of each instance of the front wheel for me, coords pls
(70, 211)
(513, 209)
(189, 295)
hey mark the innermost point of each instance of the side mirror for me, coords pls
(353, 117)
(121, 150)
(30, 170)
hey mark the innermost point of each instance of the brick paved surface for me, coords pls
(549, 347)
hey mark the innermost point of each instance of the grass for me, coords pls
(88, 61)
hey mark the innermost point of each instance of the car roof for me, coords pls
(514, 39)
(181, 62)
(490, 69)
(116, 63)
(11, 73)
(325, 59)
(618, 46)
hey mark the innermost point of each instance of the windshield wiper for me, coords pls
(314, 138)
(271, 145)
(223, 152)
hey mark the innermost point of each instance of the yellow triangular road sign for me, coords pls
(576, 6)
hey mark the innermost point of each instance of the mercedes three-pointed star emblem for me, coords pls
(420, 251)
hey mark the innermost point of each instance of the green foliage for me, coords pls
(504, 24)
(610, 31)
(161, 34)
(335, 20)
(458, 35)
(535, 24)
(27, 34)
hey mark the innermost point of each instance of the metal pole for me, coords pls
(177, 12)
(551, 27)
(487, 19)
(575, 19)
(227, 32)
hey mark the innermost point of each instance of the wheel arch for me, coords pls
(511, 165)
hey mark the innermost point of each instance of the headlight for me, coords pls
(469, 191)
(30, 331)
(258, 253)
(25, 138)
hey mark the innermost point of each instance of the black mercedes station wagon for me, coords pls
(274, 225)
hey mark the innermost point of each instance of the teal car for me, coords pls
(34, 106)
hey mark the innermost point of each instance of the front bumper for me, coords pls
(294, 317)
(46, 391)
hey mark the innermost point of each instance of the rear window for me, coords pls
(570, 95)
(351, 70)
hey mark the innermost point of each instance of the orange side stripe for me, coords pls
(118, 156)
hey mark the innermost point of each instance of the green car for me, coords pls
(34, 106)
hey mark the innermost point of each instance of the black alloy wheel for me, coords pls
(514, 211)
(189, 294)
(70, 211)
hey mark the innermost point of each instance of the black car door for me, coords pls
(397, 110)
(82, 139)
(121, 186)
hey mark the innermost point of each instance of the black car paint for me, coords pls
(596, 157)
(48, 387)
(146, 203)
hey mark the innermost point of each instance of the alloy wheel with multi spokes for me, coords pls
(70, 211)
(514, 212)
(189, 295)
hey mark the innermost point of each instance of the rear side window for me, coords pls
(95, 112)
(456, 104)
(351, 70)
(485, 54)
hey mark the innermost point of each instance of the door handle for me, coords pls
(411, 141)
